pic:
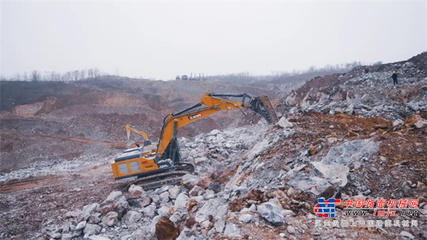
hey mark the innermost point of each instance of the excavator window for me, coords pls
(123, 168)
(134, 166)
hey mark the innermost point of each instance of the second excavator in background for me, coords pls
(163, 165)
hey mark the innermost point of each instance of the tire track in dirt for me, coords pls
(118, 145)
(20, 184)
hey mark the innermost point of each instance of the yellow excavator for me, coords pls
(163, 165)
(129, 129)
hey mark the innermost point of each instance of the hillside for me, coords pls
(348, 135)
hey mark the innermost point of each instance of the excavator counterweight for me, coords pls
(163, 165)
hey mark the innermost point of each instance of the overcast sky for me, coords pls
(162, 39)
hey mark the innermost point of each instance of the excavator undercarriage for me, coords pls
(163, 165)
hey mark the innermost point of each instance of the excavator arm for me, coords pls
(209, 104)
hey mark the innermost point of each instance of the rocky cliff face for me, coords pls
(366, 91)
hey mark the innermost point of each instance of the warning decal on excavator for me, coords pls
(194, 116)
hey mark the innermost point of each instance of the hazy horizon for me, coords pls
(163, 39)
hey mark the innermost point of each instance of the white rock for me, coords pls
(135, 191)
(145, 201)
(252, 208)
(174, 191)
(271, 213)
(406, 235)
(54, 235)
(246, 218)
(333, 171)
(200, 160)
(219, 225)
(113, 196)
(132, 217)
(232, 230)
(245, 210)
(216, 207)
(98, 238)
(81, 225)
(180, 202)
(163, 211)
(195, 191)
(420, 124)
(138, 234)
(65, 236)
(176, 217)
(214, 132)
(291, 191)
(398, 122)
(155, 198)
(189, 180)
(72, 214)
(164, 197)
(284, 123)
(287, 212)
(110, 219)
(205, 224)
(291, 229)
(209, 194)
(149, 211)
(91, 229)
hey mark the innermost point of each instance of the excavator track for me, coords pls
(155, 181)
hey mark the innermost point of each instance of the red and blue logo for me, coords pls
(326, 208)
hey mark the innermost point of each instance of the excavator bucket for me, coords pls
(268, 109)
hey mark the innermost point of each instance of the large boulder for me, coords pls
(110, 219)
(132, 217)
(113, 196)
(91, 229)
(164, 197)
(271, 213)
(189, 180)
(135, 191)
(149, 211)
(163, 211)
(180, 203)
(174, 191)
(284, 123)
(166, 229)
(246, 218)
(114, 202)
(410, 121)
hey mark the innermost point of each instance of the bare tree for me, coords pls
(17, 77)
(95, 72)
(35, 75)
(82, 74)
